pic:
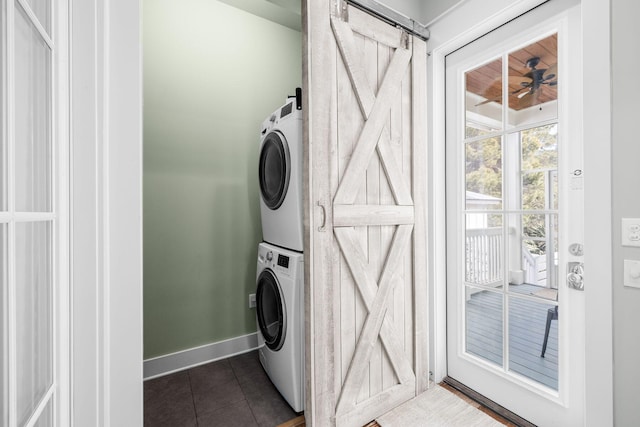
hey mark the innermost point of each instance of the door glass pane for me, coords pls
(530, 324)
(533, 80)
(33, 314)
(42, 10)
(539, 165)
(484, 324)
(483, 92)
(533, 255)
(540, 147)
(46, 417)
(32, 118)
(483, 174)
(3, 324)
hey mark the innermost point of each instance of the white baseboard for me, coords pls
(185, 359)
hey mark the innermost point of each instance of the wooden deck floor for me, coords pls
(527, 320)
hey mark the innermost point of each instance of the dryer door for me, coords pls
(271, 310)
(274, 170)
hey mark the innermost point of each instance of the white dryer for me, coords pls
(280, 176)
(280, 316)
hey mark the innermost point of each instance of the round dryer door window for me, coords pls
(270, 310)
(274, 170)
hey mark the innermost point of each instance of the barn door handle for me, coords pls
(324, 217)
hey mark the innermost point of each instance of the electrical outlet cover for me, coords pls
(630, 232)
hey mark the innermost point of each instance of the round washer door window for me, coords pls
(270, 310)
(274, 170)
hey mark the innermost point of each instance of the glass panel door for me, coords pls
(28, 217)
(509, 210)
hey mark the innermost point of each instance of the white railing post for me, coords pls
(483, 250)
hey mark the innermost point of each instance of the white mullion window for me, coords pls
(29, 220)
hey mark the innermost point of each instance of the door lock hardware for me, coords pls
(576, 249)
(575, 275)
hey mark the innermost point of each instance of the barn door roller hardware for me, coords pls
(392, 17)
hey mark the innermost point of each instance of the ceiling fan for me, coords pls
(531, 83)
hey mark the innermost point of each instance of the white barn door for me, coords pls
(365, 115)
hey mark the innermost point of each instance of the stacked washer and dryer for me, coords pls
(280, 269)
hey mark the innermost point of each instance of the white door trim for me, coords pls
(62, 303)
(106, 212)
(463, 25)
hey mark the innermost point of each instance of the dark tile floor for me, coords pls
(231, 392)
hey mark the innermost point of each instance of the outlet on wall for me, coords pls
(630, 231)
(252, 300)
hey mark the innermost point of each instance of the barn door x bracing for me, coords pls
(365, 129)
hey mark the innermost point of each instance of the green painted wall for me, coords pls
(212, 73)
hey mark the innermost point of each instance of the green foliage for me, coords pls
(484, 167)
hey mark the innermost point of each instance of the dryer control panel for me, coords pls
(283, 261)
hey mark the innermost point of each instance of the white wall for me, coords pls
(423, 11)
(432, 9)
(204, 102)
(626, 203)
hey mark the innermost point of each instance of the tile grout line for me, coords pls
(243, 394)
(193, 399)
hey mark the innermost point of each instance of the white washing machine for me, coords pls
(280, 316)
(280, 175)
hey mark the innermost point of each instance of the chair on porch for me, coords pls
(552, 314)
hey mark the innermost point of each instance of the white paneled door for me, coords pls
(515, 301)
(365, 97)
(32, 224)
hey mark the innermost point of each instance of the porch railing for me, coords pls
(484, 256)
(484, 259)
(535, 267)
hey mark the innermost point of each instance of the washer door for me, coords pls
(271, 310)
(274, 170)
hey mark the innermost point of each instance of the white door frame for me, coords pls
(461, 25)
(106, 212)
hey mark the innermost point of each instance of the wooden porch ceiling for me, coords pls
(486, 80)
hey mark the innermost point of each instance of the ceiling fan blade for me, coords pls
(551, 72)
(486, 101)
(520, 81)
(514, 92)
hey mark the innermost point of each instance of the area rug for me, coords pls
(546, 293)
(437, 407)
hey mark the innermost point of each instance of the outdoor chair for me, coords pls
(552, 314)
